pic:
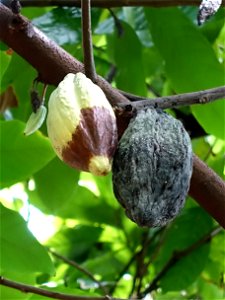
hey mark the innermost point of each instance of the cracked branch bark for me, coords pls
(53, 63)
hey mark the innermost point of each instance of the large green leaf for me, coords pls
(55, 184)
(125, 49)
(72, 201)
(185, 231)
(21, 155)
(4, 60)
(20, 251)
(191, 63)
(76, 243)
(189, 269)
(20, 75)
(63, 24)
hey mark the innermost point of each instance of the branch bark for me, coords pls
(111, 3)
(209, 190)
(201, 97)
(50, 60)
(25, 288)
(53, 63)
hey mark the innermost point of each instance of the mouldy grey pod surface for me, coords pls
(152, 168)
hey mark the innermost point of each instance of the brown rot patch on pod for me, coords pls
(82, 125)
(152, 168)
(93, 142)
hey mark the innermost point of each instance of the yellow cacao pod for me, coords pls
(81, 125)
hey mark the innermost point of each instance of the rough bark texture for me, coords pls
(53, 63)
(50, 60)
(208, 190)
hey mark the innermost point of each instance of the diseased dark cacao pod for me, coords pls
(152, 168)
(82, 125)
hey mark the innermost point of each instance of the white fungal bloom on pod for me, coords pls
(152, 168)
(81, 125)
(207, 9)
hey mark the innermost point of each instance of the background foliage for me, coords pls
(151, 52)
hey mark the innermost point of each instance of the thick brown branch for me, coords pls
(89, 64)
(53, 63)
(111, 3)
(25, 288)
(201, 97)
(209, 190)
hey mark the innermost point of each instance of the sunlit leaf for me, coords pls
(20, 251)
(55, 185)
(125, 48)
(191, 63)
(21, 156)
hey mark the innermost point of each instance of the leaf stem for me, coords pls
(78, 267)
(178, 256)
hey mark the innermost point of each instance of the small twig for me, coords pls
(201, 97)
(140, 265)
(78, 267)
(123, 271)
(117, 23)
(152, 258)
(178, 256)
(89, 64)
(111, 74)
(25, 288)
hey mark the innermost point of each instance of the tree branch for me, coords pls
(111, 3)
(78, 267)
(53, 63)
(177, 256)
(209, 190)
(25, 288)
(201, 97)
(89, 63)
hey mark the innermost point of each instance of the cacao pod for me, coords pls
(81, 125)
(152, 168)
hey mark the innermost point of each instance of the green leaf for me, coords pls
(57, 192)
(213, 26)
(125, 50)
(20, 251)
(106, 265)
(208, 290)
(32, 13)
(20, 75)
(85, 206)
(63, 24)
(21, 156)
(189, 269)
(55, 185)
(190, 61)
(5, 61)
(76, 243)
(186, 230)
